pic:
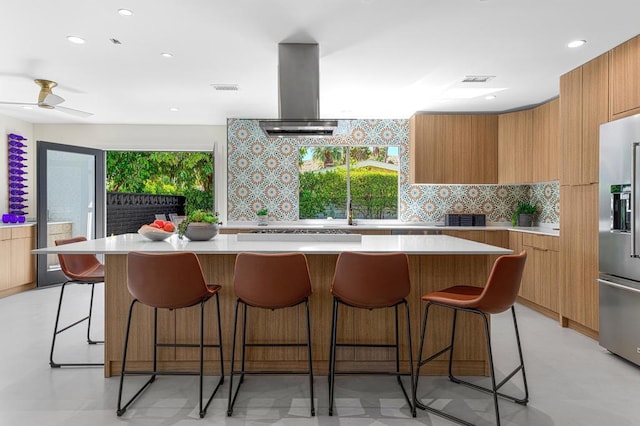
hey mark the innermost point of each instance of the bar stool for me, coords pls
(169, 281)
(79, 269)
(371, 281)
(498, 295)
(269, 281)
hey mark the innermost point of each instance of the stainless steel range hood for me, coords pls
(298, 94)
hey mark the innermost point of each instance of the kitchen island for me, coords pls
(435, 261)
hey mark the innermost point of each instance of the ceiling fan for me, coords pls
(46, 99)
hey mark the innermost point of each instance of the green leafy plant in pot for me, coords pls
(262, 216)
(523, 216)
(199, 225)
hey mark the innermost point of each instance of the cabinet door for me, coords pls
(625, 77)
(579, 254)
(553, 143)
(595, 111)
(547, 286)
(528, 283)
(515, 147)
(22, 262)
(571, 127)
(545, 142)
(453, 149)
(5, 259)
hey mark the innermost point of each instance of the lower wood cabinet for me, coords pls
(17, 264)
(540, 288)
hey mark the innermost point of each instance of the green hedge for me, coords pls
(374, 194)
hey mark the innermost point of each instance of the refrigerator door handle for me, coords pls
(620, 286)
(634, 150)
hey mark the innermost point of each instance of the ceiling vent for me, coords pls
(478, 78)
(298, 94)
(226, 87)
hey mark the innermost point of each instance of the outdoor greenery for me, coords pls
(172, 173)
(374, 193)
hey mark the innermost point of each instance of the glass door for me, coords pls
(71, 200)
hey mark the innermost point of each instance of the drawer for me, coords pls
(544, 242)
(23, 232)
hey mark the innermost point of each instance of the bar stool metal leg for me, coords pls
(494, 390)
(332, 357)
(89, 339)
(57, 331)
(311, 398)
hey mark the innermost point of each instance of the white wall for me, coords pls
(133, 137)
(13, 125)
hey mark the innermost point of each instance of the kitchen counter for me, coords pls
(435, 262)
(394, 226)
(229, 244)
(16, 225)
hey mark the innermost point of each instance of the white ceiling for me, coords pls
(378, 58)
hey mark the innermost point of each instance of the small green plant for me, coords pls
(262, 212)
(196, 216)
(523, 207)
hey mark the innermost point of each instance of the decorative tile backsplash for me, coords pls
(263, 173)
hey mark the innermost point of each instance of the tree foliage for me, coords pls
(177, 173)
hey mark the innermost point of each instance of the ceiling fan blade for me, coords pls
(52, 99)
(17, 103)
(75, 112)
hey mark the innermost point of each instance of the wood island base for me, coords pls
(428, 273)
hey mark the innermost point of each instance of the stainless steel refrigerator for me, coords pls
(619, 237)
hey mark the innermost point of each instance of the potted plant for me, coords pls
(262, 217)
(523, 216)
(199, 225)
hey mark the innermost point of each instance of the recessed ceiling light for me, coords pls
(75, 40)
(125, 12)
(490, 97)
(26, 107)
(174, 109)
(166, 55)
(576, 43)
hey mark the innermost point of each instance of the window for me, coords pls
(331, 175)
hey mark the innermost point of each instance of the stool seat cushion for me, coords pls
(460, 296)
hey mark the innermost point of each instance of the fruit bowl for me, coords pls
(154, 234)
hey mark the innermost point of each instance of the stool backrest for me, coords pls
(503, 284)
(371, 280)
(271, 280)
(76, 266)
(166, 280)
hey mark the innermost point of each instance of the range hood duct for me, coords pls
(298, 94)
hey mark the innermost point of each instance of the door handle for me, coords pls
(634, 150)
(622, 287)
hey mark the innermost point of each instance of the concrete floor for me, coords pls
(572, 381)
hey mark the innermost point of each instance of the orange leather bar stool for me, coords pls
(269, 281)
(498, 295)
(371, 281)
(169, 281)
(79, 269)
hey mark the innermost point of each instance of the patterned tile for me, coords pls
(263, 173)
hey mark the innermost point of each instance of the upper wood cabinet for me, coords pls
(446, 148)
(515, 147)
(546, 133)
(625, 79)
(584, 106)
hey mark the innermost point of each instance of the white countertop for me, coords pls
(229, 244)
(16, 225)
